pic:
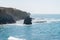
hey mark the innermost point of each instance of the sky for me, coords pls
(34, 6)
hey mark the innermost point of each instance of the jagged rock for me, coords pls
(28, 20)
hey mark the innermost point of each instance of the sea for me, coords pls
(48, 30)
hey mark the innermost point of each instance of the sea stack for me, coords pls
(28, 20)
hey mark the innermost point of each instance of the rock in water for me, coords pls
(28, 20)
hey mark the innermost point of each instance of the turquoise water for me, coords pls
(36, 31)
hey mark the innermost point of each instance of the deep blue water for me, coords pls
(37, 31)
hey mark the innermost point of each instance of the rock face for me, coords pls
(16, 13)
(11, 15)
(28, 20)
(5, 18)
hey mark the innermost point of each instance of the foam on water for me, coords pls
(36, 20)
(46, 20)
(14, 38)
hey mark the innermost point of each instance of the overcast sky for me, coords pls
(34, 6)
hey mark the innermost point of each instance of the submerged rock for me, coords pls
(28, 20)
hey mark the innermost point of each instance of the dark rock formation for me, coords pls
(16, 13)
(5, 18)
(28, 20)
(11, 15)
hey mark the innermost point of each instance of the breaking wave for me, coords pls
(46, 20)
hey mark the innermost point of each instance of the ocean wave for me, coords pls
(46, 20)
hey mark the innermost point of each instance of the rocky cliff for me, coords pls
(10, 14)
(16, 13)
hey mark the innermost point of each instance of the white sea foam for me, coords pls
(18, 23)
(46, 20)
(14, 38)
(36, 20)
